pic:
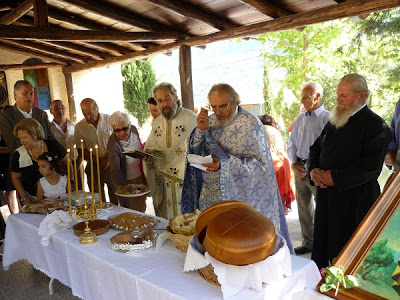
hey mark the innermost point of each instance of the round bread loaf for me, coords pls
(240, 236)
(210, 213)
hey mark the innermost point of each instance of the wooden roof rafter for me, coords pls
(194, 12)
(118, 14)
(17, 12)
(267, 8)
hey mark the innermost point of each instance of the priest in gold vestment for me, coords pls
(167, 141)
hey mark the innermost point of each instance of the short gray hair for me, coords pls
(19, 83)
(358, 81)
(315, 86)
(172, 89)
(119, 117)
(234, 97)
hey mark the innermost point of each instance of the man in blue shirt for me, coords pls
(308, 126)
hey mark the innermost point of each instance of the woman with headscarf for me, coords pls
(124, 169)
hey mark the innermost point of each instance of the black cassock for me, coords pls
(355, 154)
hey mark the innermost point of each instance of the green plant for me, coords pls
(335, 279)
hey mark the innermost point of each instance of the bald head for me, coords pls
(90, 111)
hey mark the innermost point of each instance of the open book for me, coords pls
(139, 154)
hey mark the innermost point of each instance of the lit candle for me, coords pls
(83, 173)
(98, 174)
(69, 183)
(76, 175)
(92, 175)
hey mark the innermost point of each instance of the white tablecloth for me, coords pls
(96, 272)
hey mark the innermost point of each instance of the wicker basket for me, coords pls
(181, 241)
(208, 275)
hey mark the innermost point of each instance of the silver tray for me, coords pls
(146, 244)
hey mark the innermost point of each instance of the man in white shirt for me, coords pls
(306, 130)
(95, 129)
(62, 127)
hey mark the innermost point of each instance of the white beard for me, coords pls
(226, 121)
(341, 115)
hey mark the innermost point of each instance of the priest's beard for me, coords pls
(225, 122)
(172, 112)
(342, 114)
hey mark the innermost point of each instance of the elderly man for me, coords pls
(307, 128)
(62, 127)
(95, 129)
(345, 162)
(167, 140)
(24, 96)
(242, 167)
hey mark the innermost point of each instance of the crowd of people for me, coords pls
(336, 157)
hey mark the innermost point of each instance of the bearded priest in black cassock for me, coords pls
(345, 162)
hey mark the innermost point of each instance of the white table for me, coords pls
(96, 272)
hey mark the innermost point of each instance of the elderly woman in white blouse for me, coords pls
(125, 169)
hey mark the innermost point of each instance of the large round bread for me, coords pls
(240, 236)
(210, 213)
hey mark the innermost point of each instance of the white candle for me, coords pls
(92, 175)
(69, 183)
(98, 174)
(76, 175)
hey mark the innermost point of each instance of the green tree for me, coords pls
(300, 55)
(140, 79)
(379, 256)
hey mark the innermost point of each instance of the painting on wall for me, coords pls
(40, 82)
(372, 254)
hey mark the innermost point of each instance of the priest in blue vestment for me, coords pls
(242, 167)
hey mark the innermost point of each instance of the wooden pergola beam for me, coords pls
(46, 50)
(25, 51)
(30, 66)
(59, 34)
(105, 9)
(347, 9)
(17, 12)
(193, 12)
(114, 50)
(72, 19)
(267, 8)
(41, 13)
(83, 51)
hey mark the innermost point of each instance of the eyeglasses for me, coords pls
(120, 129)
(221, 107)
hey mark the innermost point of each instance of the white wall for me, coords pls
(104, 85)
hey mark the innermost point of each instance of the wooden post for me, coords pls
(71, 97)
(41, 13)
(185, 74)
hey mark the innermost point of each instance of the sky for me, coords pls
(238, 63)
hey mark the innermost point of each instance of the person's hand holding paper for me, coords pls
(197, 161)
